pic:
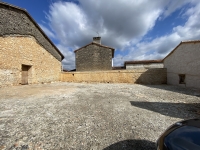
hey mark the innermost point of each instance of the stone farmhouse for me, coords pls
(27, 55)
(94, 56)
(183, 64)
(145, 64)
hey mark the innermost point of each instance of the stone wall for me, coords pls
(143, 76)
(93, 58)
(185, 60)
(16, 21)
(17, 51)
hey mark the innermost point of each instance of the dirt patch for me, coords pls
(91, 116)
(35, 90)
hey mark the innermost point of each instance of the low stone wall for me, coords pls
(143, 76)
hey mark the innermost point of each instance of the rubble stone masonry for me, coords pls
(27, 55)
(16, 21)
(16, 51)
(93, 58)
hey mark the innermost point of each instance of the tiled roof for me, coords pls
(143, 62)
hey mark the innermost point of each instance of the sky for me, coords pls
(137, 29)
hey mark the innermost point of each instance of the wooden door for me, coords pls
(25, 69)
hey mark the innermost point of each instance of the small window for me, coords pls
(181, 78)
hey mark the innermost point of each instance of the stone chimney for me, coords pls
(97, 40)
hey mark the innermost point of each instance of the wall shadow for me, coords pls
(176, 110)
(177, 89)
(157, 78)
(132, 145)
(153, 76)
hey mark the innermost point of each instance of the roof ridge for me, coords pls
(113, 50)
(95, 44)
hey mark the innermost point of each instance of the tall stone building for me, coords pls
(27, 55)
(183, 65)
(94, 56)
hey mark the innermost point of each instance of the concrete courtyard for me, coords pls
(91, 116)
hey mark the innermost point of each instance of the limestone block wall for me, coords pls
(16, 51)
(140, 76)
(184, 60)
(93, 58)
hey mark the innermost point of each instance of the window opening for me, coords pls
(181, 78)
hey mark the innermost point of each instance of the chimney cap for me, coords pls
(96, 38)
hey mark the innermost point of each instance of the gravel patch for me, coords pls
(91, 116)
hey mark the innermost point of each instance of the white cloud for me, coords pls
(122, 24)
(69, 62)
(173, 5)
(159, 47)
(47, 31)
(116, 21)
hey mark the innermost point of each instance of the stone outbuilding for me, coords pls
(94, 56)
(183, 64)
(144, 64)
(27, 55)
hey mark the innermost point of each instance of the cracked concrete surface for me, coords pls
(91, 116)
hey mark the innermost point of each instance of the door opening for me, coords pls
(25, 74)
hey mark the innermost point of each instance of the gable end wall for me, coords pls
(184, 60)
(15, 22)
(93, 58)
